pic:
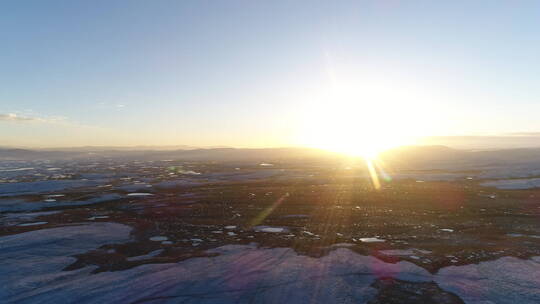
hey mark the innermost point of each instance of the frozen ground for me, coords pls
(506, 280)
(13, 205)
(296, 232)
(33, 260)
(32, 266)
(9, 219)
(9, 189)
(523, 183)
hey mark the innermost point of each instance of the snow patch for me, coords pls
(270, 229)
(139, 194)
(146, 256)
(158, 238)
(32, 224)
(513, 184)
(371, 240)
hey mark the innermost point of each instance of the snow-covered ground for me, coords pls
(524, 183)
(17, 205)
(10, 219)
(431, 176)
(31, 265)
(27, 188)
(506, 280)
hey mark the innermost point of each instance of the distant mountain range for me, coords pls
(119, 148)
(149, 153)
(410, 157)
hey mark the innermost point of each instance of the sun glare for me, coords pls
(355, 142)
(361, 122)
(362, 112)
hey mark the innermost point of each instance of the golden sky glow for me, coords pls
(362, 117)
(358, 77)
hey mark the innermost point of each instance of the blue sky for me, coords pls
(258, 73)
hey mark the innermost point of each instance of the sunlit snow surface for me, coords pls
(523, 183)
(270, 229)
(22, 188)
(371, 240)
(10, 219)
(16, 205)
(31, 265)
(139, 194)
(506, 280)
(31, 262)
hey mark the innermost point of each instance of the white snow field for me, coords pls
(31, 265)
(522, 183)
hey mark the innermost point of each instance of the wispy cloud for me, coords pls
(110, 105)
(535, 134)
(12, 117)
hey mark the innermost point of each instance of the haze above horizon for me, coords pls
(351, 76)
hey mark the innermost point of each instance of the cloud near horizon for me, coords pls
(535, 134)
(12, 117)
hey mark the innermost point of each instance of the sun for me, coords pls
(364, 148)
(353, 139)
(360, 121)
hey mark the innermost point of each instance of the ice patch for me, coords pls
(27, 188)
(20, 205)
(270, 229)
(507, 280)
(513, 184)
(16, 169)
(139, 194)
(523, 235)
(146, 256)
(97, 217)
(158, 238)
(429, 177)
(10, 219)
(371, 240)
(511, 171)
(32, 224)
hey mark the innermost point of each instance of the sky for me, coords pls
(265, 73)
